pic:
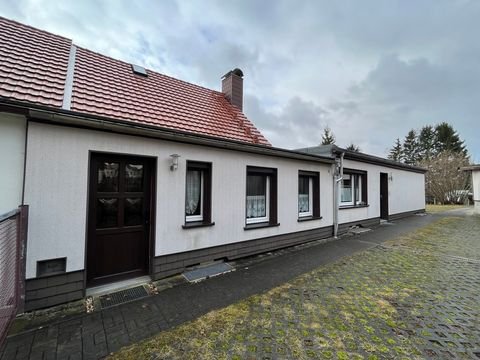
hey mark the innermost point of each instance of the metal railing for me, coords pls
(13, 235)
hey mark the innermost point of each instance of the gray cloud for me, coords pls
(370, 70)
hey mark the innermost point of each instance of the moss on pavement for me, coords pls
(413, 297)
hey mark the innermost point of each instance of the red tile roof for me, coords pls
(33, 64)
(33, 68)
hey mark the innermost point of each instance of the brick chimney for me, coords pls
(232, 87)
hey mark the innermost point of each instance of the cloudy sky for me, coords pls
(370, 70)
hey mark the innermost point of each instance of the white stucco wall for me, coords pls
(406, 192)
(476, 189)
(57, 183)
(56, 190)
(12, 150)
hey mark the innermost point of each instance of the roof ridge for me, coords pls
(35, 28)
(149, 70)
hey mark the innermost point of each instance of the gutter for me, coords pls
(375, 160)
(70, 118)
(337, 178)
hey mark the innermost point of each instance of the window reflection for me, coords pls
(133, 211)
(108, 177)
(107, 210)
(133, 178)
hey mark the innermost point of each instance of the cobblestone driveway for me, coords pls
(414, 297)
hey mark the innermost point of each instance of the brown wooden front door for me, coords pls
(119, 217)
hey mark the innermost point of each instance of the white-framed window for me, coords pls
(194, 195)
(261, 197)
(258, 198)
(308, 195)
(347, 186)
(198, 193)
(305, 195)
(353, 189)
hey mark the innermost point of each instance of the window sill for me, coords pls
(352, 206)
(259, 226)
(197, 224)
(308, 218)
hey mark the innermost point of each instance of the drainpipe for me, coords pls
(338, 177)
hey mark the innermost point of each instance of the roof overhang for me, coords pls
(58, 116)
(335, 150)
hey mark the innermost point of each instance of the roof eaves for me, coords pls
(376, 160)
(358, 156)
(72, 118)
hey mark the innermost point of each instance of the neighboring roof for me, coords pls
(331, 150)
(475, 167)
(33, 69)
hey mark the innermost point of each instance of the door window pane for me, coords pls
(133, 178)
(133, 211)
(107, 210)
(107, 177)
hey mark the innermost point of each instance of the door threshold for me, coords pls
(116, 286)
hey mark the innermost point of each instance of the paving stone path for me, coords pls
(412, 297)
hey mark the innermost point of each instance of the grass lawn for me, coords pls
(414, 297)
(439, 208)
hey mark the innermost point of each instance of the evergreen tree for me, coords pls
(396, 151)
(447, 139)
(328, 138)
(353, 147)
(410, 150)
(427, 142)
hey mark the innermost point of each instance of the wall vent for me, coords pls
(139, 70)
(51, 267)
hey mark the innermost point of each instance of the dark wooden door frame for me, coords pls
(384, 196)
(150, 220)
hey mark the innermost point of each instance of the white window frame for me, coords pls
(266, 218)
(193, 218)
(310, 198)
(352, 190)
(359, 185)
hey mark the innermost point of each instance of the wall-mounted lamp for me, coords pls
(390, 177)
(174, 162)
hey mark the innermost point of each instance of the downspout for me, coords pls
(338, 177)
(25, 160)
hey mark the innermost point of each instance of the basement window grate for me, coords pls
(122, 297)
(206, 272)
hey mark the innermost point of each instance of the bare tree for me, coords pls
(444, 181)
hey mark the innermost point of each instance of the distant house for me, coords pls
(128, 172)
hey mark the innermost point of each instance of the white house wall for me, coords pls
(57, 183)
(476, 189)
(406, 192)
(12, 150)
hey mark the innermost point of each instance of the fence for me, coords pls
(13, 234)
